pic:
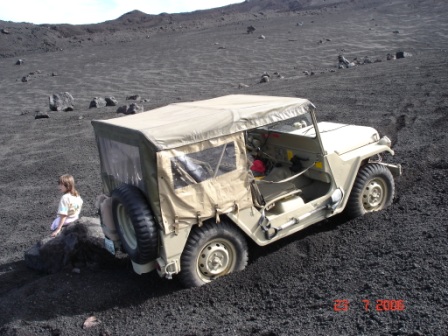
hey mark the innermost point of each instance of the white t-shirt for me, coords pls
(70, 206)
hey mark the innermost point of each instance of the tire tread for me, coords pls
(353, 208)
(143, 222)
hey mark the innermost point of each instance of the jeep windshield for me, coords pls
(300, 125)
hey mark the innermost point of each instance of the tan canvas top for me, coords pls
(181, 124)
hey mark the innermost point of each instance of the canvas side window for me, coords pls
(194, 168)
(120, 163)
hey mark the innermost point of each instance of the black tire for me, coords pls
(135, 223)
(373, 190)
(212, 251)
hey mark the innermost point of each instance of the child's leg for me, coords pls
(55, 224)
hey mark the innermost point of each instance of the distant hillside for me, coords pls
(22, 38)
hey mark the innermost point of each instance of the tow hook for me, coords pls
(166, 270)
(170, 269)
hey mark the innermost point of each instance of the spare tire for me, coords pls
(135, 223)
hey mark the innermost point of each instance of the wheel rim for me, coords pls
(374, 195)
(216, 259)
(126, 227)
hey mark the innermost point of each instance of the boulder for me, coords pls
(344, 63)
(41, 115)
(134, 97)
(343, 60)
(33, 258)
(134, 108)
(111, 101)
(367, 60)
(123, 109)
(98, 102)
(402, 54)
(80, 244)
(130, 109)
(278, 75)
(61, 102)
(19, 62)
(265, 78)
(250, 29)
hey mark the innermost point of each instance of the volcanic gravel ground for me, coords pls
(289, 287)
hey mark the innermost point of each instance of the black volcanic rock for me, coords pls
(111, 101)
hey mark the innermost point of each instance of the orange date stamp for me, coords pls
(378, 305)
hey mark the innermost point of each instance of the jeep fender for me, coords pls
(344, 168)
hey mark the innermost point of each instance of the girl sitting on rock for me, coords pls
(69, 206)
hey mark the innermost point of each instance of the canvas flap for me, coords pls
(203, 180)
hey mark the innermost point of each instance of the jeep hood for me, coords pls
(343, 138)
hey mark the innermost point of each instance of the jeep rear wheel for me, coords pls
(373, 190)
(135, 223)
(212, 251)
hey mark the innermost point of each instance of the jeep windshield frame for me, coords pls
(302, 125)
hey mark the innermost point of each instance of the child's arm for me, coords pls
(62, 219)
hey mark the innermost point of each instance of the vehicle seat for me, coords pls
(271, 191)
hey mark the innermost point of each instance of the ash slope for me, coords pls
(289, 287)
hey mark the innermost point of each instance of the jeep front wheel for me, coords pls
(212, 251)
(373, 190)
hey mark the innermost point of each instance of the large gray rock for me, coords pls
(344, 63)
(80, 244)
(130, 109)
(123, 109)
(111, 101)
(62, 101)
(98, 102)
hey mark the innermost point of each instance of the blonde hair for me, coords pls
(69, 183)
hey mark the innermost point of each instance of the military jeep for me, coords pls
(180, 197)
